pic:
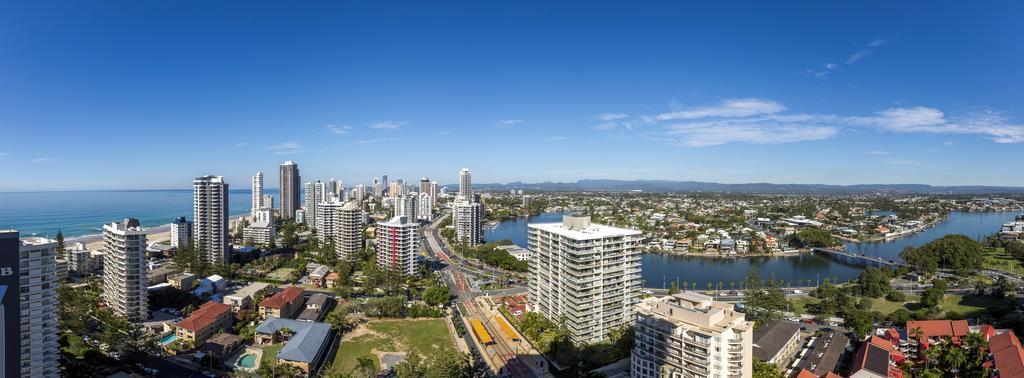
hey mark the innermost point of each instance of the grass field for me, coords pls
(964, 305)
(270, 353)
(999, 259)
(280, 274)
(425, 336)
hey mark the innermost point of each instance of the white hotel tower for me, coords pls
(257, 193)
(585, 274)
(40, 351)
(124, 269)
(210, 218)
(397, 245)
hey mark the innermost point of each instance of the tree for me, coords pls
(1004, 288)
(766, 370)
(812, 237)
(436, 295)
(673, 288)
(874, 282)
(955, 358)
(60, 243)
(955, 252)
(365, 366)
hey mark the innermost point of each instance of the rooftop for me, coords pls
(772, 337)
(1008, 354)
(306, 342)
(204, 316)
(284, 296)
(580, 228)
(249, 290)
(695, 310)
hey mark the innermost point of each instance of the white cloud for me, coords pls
(920, 119)
(857, 55)
(43, 160)
(506, 123)
(373, 141)
(877, 43)
(877, 153)
(608, 117)
(2, 154)
(716, 132)
(744, 107)
(286, 148)
(241, 144)
(389, 125)
(339, 129)
(556, 138)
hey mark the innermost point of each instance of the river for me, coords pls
(659, 270)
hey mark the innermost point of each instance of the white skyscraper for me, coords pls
(397, 245)
(465, 184)
(40, 351)
(181, 231)
(314, 194)
(587, 275)
(467, 216)
(210, 218)
(424, 207)
(433, 194)
(124, 269)
(257, 193)
(691, 335)
(405, 206)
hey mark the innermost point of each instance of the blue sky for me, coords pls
(144, 94)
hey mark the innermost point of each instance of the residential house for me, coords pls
(776, 340)
(242, 299)
(284, 304)
(306, 343)
(204, 322)
(876, 358)
(316, 308)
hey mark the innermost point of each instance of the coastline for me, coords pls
(154, 235)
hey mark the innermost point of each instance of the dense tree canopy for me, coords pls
(955, 252)
(812, 237)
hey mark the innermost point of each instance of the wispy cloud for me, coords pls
(556, 138)
(730, 108)
(854, 57)
(372, 141)
(903, 162)
(241, 144)
(2, 154)
(608, 117)
(877, 153)
(389, 125)
(43, 160)
(339, 129)
(286, 148)
(507, 123)
(762, 121)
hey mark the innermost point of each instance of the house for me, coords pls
(516, 306)
(776, 339)
(242, 298)
(822, 356)
(183, 281)
(221, 346)
(317, 276)
(306, 343)
(875, 359)
(804, 373)
(727, 246)
(204, 322)
(285, 304)
(210, 285)
(316, 308)
(520, 253)
(923, 333)
(1007, 354)
(331, 280)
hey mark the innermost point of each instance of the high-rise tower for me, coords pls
(257, 193)
(289, 187)
(210, 218)
(124, 269)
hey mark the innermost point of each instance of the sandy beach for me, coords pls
(158, 234)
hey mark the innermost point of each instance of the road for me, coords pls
(504, 356)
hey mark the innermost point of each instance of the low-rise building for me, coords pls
(520, 253)
(221, 345)
(259, 233)
(316, 308)
(204, 322)
(876, 358)
(284, 304)
(306, 343)
(183, 281)
(1007, 354)
(242, 299)
(776, 340)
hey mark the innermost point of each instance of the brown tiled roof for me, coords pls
(204, 316)
(278, 300)
(938, 328)
(1008, 354)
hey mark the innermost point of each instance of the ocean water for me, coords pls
(79, 213)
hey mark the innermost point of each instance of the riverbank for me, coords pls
(734, 256)
(894, 236)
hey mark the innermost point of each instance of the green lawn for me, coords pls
(998, 259)
(425, 336)
(270, 353)
(280, 274)
(963, 305)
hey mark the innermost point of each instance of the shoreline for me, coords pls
(154, 235)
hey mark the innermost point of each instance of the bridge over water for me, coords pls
(878, 261)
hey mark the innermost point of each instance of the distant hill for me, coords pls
(764, 188)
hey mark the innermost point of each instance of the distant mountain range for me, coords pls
(763, 188)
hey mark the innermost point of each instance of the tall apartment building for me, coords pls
(314, 195)
(29, 292)
(467, 218)
(257, 193)
(424, 185)
(268, 201)
(424, 207)
(397, 245)
(690, 335)
(181, 231)
(342, 224)
(210, 218)
(433, 194)
(289, 187)
(405, 206)
(585, 274)
(465, 183)
(124, 269)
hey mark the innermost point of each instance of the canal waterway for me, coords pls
(660, 270)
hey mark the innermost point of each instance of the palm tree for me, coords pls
(955, 358)
(732, 285)
(365, 366)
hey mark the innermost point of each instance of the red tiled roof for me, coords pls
(937, 328)
(204, 316)
(806, 374)
(874, 356)
(1008, 354)
(282, 297)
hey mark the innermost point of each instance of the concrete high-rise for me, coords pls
(433, 194)
(124, 269)
(691, 335)
(257, 193)
(289, 187)
(465, 184)
(341, 224)
(466, 218)
(397, 245)
(29, 292)
(424, 207)
(181, 232)
(210, 218)
(587, 275)
(313, 195)
(405, 206)
(424, 185)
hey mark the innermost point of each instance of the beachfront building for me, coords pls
(124, 271)
(261, 232)
(397, 245)
(181, 231)
(587, 275)
(210, 218)
(36, 269)
(257, 193)
(691, 335)
(289, 187)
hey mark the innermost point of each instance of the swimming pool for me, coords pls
(168, 339)
(248, 360)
